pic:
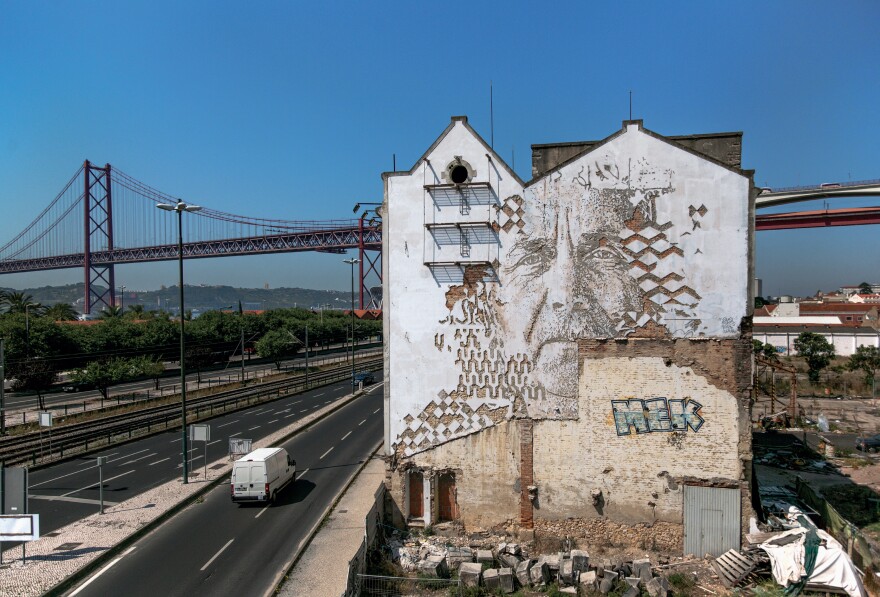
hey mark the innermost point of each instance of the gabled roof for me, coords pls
(464, 121)
(667, 140)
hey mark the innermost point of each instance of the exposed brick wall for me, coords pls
(527, 475)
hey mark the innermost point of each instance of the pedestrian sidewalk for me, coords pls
(322, 570)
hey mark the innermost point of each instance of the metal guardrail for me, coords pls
(42, 447)
(818, 187)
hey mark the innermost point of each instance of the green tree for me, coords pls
(19, 302)
(35, 374)
(865, 288)
(764, 350)
(111, 312)
(867, 360)
(816, 351)
(61, 312)
(135, 312)
(277, 344)
(105, 373)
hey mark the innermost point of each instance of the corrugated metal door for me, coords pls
(711, 520)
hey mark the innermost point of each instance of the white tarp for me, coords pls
(833, 567)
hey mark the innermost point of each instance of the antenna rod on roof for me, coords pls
(630, 104)
(394, 162)
(491, 118)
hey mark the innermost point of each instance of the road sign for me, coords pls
(45, 418)
(19, 527)
(13, 490)
(200, 433)
(239, 446)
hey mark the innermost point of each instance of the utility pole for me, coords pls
(307, 356)
(2, 389)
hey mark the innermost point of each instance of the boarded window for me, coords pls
(416, 495)
(447, 508)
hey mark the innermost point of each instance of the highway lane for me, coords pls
(68, 491)
(219, 548)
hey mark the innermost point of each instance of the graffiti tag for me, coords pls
(654, 415)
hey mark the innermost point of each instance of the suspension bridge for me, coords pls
(103, 217)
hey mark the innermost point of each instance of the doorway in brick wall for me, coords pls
(447, 507)
(416, 495)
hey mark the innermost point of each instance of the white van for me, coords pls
(260, 475)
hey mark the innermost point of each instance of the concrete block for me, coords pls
(581, 560)
(522, 572)
(657, 587)
(552, 561)
(505, 580)
(509, 560)
(434, 566)
(642, 569)
(491, 580)
(631, 592)
(456, 556)
(609, 574)
(567, 573)
(587, 580)
(632, 581)
(484, 556)
(470, 574)
(606, 585)
(539, 573)
(513, 549)
(569, 590)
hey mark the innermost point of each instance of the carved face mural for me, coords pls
(575, 270)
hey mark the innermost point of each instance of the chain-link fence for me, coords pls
(398, 586)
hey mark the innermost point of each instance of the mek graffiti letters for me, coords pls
(654, 415)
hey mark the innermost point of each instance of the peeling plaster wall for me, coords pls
(637, 239)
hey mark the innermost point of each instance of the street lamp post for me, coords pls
(352, 262)
(181, 207)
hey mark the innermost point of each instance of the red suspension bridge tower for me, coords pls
(98, 235)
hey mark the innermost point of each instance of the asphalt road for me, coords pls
(68, 491)
(219, 548)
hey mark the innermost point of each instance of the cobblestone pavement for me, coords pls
(46, 565)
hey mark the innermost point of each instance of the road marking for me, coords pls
(362, 422)
(325, 453)
(141, 458)
(227, 424)
(345, 436)
(252, 428)
(158, 461)
(328, 402)
(216, 555)
(303, 410)
(297, 402)
(103, 570)
(319, 395)
(302, 474)
(234, 434)
(92, 462)
(127, 455)
(377, 410)
(286, 410)
(263, 510)
(272, 421)
(215, 441)
(53, 498)
(179, 439)
(93, 465)
(290, 415)
(95, 484)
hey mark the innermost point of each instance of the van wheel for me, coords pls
(272, 498)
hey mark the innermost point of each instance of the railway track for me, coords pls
(37, 448)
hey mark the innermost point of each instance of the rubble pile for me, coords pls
(660, 536)
(507, 566)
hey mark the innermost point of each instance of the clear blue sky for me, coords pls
(293, 109)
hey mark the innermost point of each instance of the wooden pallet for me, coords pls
(732, 567)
